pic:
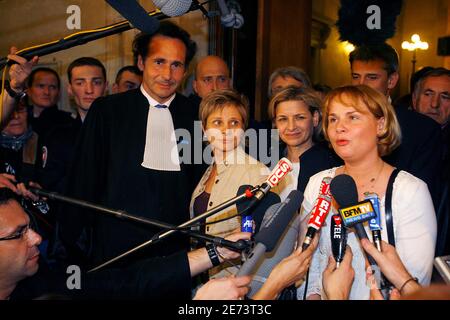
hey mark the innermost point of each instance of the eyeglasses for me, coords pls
(18, 234)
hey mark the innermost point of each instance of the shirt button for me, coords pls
(217, 181)
(210, 203)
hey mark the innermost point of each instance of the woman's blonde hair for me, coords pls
(377, 104)
(219, 99)
(293, 93)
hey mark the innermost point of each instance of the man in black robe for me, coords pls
(121, 161)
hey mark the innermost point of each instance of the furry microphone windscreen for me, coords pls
(367, 22)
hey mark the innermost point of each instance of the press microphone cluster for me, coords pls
(353, 213)
(319, 213)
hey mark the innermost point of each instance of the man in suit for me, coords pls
(420, 151)
(431, 97)
(127, 156)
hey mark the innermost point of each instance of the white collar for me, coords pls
(153, 102)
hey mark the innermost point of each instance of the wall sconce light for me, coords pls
(348, 47)
(413, 46)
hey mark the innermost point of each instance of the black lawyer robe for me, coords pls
(107, 169)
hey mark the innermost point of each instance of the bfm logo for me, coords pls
(359, 209)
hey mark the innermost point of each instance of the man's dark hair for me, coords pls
(7, 195)
(132, 69)
(166, 29)
(433, 72)
(416, 76)
(42, 69)
(85, 61)
(383, 52)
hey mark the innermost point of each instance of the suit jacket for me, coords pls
(107, 170)
(155, 278)
(420, 150)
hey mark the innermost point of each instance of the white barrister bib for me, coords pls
(161, 151)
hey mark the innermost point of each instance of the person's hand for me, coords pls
(227, 254)
(294, 267)
(337, 282)
(7, 181)
(19, 72)
(27, 194)
(287, 272)
(230, 288)
(391, 265)
(375, 293)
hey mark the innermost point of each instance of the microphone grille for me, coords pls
(173, 8)
(344, 191)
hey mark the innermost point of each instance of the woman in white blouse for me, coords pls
(362, 127)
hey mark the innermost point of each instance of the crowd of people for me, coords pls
(138, 150)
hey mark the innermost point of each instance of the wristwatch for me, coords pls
(13, 94)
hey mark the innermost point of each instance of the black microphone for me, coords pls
(285, 247)
(135, 14)
(353, 213)
(267, 238)
(338, 235)
(259, 210)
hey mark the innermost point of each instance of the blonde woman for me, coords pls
(224, 116)
(361, 126)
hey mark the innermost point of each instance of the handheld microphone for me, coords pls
(375, 223)
(353, 213)
(375, 227)
(135, 14)
(278, 173)
(267, 237)
(256, 213)
(338, 236)
(320, 211)
(173, 8)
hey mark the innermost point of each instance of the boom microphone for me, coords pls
(268, 237)
(135, 14)
(173, 8)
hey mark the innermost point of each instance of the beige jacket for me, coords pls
(237, 169)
